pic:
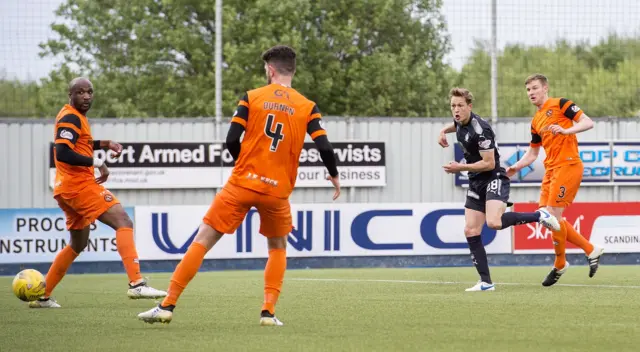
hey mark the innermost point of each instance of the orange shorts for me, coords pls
(560, 185)
(83, 207)
(232, 203)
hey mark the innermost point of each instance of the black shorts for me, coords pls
(480, 191)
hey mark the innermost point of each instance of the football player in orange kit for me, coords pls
(275, 120)
(554, 127)
(82, 197)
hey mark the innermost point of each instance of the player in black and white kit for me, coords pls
(489, 185)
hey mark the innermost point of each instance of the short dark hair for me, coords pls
(537, 77)
(282, 58)
(462, 93)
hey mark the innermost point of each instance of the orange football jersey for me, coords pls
(275, 118)
(72, 128)
(560, 149)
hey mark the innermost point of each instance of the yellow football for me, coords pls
(29, 285)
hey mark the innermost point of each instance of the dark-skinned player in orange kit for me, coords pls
(83, 198)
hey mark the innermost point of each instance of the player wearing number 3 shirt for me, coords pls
(489, 186)
(553, 128)
(275, 120)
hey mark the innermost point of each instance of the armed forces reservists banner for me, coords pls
(208, 165)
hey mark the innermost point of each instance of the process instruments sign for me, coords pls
(209, 165)
(619, 162)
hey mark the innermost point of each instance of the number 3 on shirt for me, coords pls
(275, 135)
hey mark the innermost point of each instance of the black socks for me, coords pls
(479, 257)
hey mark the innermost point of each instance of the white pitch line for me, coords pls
(458, 283)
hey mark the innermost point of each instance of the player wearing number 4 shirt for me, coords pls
(488, 192)
(275, 120)
(553, 128)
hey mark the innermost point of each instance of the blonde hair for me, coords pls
(463, 93)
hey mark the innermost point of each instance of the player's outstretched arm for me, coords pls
(529, 156)
(527, 159)
(442, 137)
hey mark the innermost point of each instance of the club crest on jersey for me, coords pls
(485, 144)
(281, 93)
(549, 112)
(66, 134)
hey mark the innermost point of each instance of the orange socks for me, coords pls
(192, 260)
(59, 268)
(127, 250)
(574, 237)
(273, 277)
(185, 271)
(559, 245)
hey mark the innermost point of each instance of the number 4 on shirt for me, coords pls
(276, 136)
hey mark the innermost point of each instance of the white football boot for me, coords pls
(482, 286)
(44, 303)
(142, 291)
(268, 319)
(547, 220)
(156, 315)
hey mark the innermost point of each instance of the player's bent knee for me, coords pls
(495, 224)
